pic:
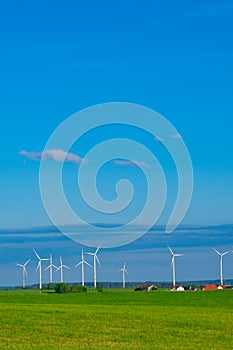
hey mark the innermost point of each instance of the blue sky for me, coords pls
(148, 259)
(172, 56)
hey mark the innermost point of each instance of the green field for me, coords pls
(116, 320)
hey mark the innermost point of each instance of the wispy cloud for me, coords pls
(58, 155)
(176, 136)
(130, 163)
(158, 139)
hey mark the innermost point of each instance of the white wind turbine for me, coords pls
(24, 271)
(39, 267)
(124, 271)
(83, 262)
(220, 264)
(173, 266)
(61, 268)
(50, 267)
(95, 258)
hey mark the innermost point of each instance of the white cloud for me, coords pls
(130, 163)
(58, 155)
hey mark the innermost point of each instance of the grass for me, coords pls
(116, 320)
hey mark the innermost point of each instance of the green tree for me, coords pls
(154, 288)
(62, 288)
(51, 286)
(78, 289)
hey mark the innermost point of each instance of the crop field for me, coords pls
(116, 319)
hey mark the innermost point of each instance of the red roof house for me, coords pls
(210, 287)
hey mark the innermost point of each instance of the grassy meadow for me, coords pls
(116, 319)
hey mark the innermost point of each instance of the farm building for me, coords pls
(177, 289)
(210, 287)
(145, 288)
(152, 287)
(228, 286)
(180, 289)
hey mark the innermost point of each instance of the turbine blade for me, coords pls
(66, 267)
(97, 249)
(217, 251)
(87, 263)
(225, 253)
(38, 265)
(170, 250)
(47, 267)
(36, 254)
(25, 264)
(78, 264)
(97, 259)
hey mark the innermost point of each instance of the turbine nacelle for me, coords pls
(221, 254)
(123, 268)
(95, 254)
(220, 263)
(24, 270)
(61, 265)
(95, 258)
(124, 271)
(39, 266)
(83, 262)
(173, 265)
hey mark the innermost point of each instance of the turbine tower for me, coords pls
(95, 258)
(61, 268)
(50, 267)
(83, 262)
(39, 267)
(124, 271)
(24, 271)
(173, 266)
(220, 264)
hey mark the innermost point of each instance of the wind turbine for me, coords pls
(220, 264)
(173, 266)
(95, 258)
(24, 271)
(39, 267)
(124, 271)
(61, 268)
(50, 267)
(83, 262)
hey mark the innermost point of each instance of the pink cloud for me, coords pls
(58, 155)
(130, 163)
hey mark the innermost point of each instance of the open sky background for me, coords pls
(175, 57)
